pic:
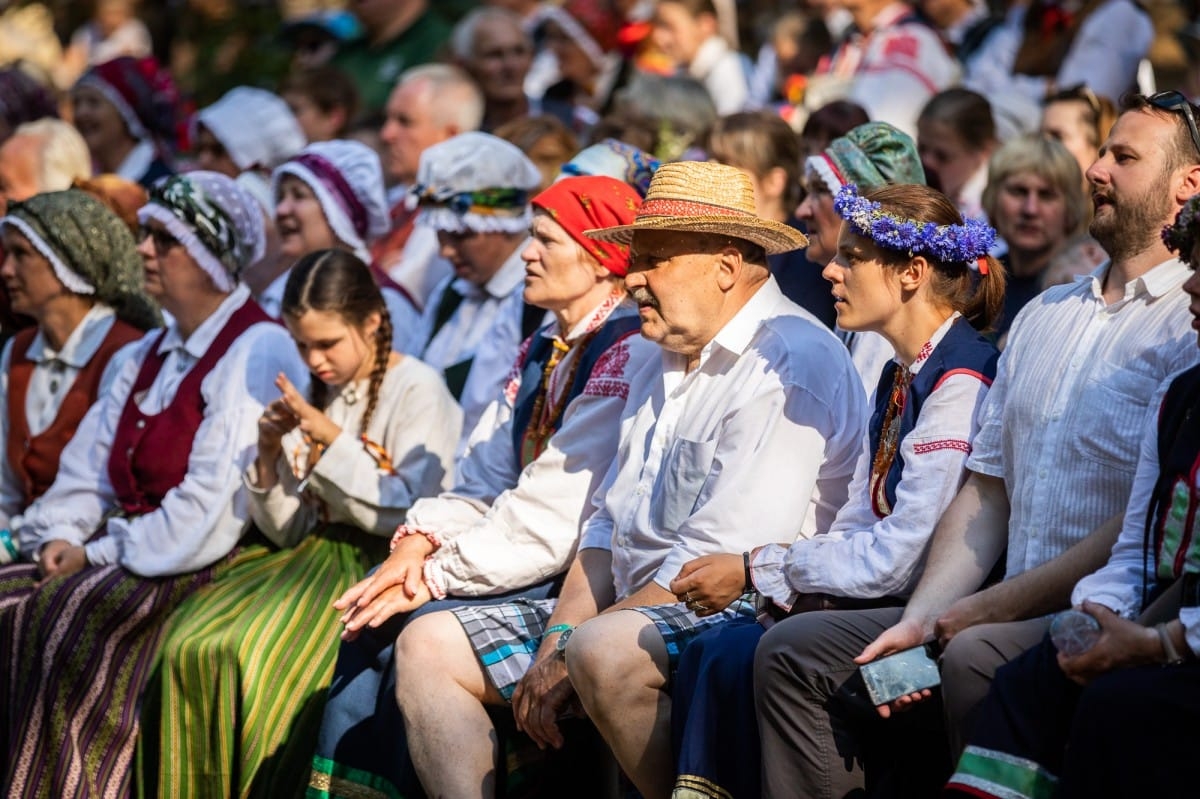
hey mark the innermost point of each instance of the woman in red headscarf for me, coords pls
(510, 525)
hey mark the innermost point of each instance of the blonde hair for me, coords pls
(1047, 158)
(63, 156)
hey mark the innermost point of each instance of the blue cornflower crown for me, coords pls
(945, 243)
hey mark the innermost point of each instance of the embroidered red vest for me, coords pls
(34, 459)
(150, 452)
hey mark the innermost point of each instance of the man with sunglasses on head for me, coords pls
(1053, 464)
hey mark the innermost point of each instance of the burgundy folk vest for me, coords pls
(150, 452)
(34, 459)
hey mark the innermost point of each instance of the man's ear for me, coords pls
(729, 267)
(1190, 185)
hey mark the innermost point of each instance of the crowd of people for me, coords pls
(578, 398)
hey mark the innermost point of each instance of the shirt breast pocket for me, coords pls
(1114, 406)
(685, 471)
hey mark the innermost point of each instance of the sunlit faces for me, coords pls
(410, 126)
(679, 34)
(1031, 213)
(1130, 186)
(500, 59)
(557, 270)
(820, 220)
(19, 160)
(944, 154)
(27, 275)
(98, 120)
(300, 219)
(866, 292)
(1070, 122)
(476, 257)
(677, 289)
(335, 351)
(317, 125)
(172, 276)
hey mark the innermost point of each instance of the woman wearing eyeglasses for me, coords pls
(72, 266)
(148, 499)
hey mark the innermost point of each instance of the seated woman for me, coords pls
(509, 526)
(84, 291)
(147, 500)
(927, 299)
(334, 476)
(331, 195)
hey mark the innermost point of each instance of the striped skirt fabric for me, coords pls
(75, 654)
(237, 695)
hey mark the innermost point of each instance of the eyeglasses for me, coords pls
(1175, 101)
(163, 241)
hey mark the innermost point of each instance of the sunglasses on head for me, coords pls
(1176, 102)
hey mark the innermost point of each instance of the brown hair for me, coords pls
(978, 297)
(339, 282)
(122, 197)
(328, 88)
(1099, 113)
(758, 142)
(1182, 151)
(967, 113)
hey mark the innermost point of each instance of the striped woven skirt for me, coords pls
(75, 655)
(237, 694)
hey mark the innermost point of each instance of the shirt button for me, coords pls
(1042, 473)
(141, 424)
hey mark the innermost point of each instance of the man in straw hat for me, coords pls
(743, 433)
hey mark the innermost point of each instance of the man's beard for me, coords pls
(1132, 225)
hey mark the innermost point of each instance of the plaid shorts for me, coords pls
(506, 637)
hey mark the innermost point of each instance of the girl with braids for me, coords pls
(906, 267)
(247, 661)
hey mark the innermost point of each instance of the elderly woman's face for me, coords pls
(300, 219)
(558, 273)
(28, 275)
(1031, 213)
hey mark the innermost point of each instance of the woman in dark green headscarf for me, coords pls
(72, 265)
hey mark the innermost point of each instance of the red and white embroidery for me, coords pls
(608, 375)
(945, 443)
(512, 383)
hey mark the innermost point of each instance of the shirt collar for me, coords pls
(510, 275)
(1158, 281)
(81, 345)
(202, 337)
(593, 321)
(929, 346)
(138, 162)
(739, 331)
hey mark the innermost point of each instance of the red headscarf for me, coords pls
(586, 203)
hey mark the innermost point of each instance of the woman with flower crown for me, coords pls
(908, 268)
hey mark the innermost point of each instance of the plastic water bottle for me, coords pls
(1074, 632)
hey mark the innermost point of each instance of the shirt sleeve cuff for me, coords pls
(766, 573)
(103, 552)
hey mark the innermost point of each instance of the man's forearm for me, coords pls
(1047, 588)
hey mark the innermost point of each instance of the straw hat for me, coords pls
(702, 197)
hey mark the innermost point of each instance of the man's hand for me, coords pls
(711, 583)
(1122, 644)
(541, 696)
(904, 634)
(967, 612)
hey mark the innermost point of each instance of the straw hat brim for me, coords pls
(774, 237)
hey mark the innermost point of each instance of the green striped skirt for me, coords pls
(236, 696)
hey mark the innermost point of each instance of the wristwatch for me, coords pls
(560, 646)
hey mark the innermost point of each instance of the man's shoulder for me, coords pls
(801, 348)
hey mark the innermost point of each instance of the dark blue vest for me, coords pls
(962, 349)
(538, 355)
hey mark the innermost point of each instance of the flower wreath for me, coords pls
(1180, 237)
(967, 243)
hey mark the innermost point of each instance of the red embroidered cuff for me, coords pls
(404, 530)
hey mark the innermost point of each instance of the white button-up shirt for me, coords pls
(53, 375)
(201, 519)
(1063, 420)
(756, 444)
(486, 326)
(503, 527)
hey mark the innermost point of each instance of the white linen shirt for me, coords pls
(1118, 584)
(416, 421)
(504, 528)
(863, 556)
(486, 326)
(755, 445)
(201, 519)
(1062, 421)
(53, 375)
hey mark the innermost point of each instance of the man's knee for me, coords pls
(426, 650)
(614, 652)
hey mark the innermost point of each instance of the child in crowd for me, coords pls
(246, 663)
